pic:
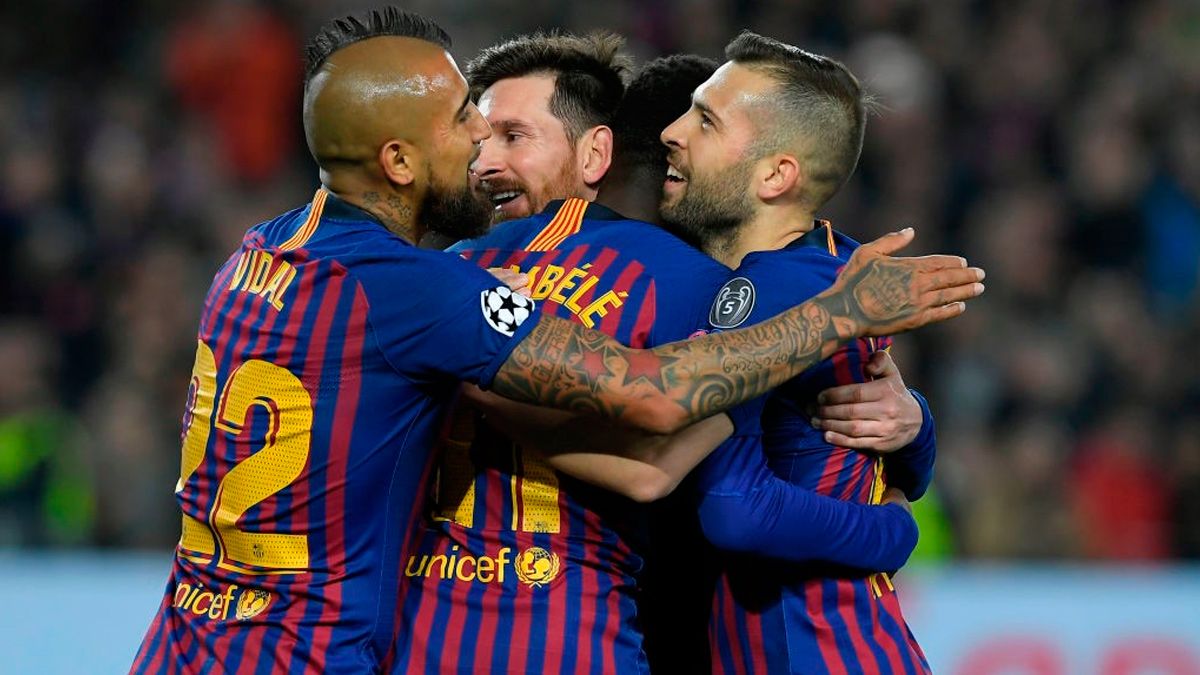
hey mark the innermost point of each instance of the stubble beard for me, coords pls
(712, 210)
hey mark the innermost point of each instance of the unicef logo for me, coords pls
(536, 567)
(733, 305)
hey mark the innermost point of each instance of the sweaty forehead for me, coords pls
(736, 87)
(524, 99)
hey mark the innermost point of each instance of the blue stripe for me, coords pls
(573, 612)
(906, 655)
(863, 599)
(153, 641)
(841, 633)
(474, 615)
(804, 652)
(723, 639)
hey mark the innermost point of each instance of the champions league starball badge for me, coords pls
(733, 305)
(505, 310)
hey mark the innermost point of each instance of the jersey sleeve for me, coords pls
(745, 507)
(437, 316)
(911, 467)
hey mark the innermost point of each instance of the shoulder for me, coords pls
(511, 234)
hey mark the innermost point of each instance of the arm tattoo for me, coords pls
(564, 365)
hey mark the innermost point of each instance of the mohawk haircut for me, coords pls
(819, 111)
(386, 22)
(659, 93)
(590, 74)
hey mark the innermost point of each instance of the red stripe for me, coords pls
(485, 643)
(156, 626)
(598, 269)
(846, 595)
(882, 637)
(610, 323)
(858, 464)
(757, 641)
(210, 478)
(829, 473)
(830, 654)
(645, 320)
(521, 622)
(220, 281)
(287, 344)
(413, 527)
(253, 647)
(344, 415)
(314, 373)
(715, 637)
(735, 637)
(422, 623)
(221, 646)
(613, 627)
(485, 258)
(452, 647)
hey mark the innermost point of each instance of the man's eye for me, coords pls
(705, 121)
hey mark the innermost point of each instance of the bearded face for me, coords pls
(706, 207)
(456, 212)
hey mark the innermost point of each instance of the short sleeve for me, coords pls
(436, 316)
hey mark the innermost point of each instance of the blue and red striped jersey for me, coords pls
(775, 616)
(523, 569)
(328, 352)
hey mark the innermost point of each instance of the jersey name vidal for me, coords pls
(328, 350)
(523, 569)
(786, 617)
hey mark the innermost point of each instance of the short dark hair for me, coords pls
(659, 93)
(818, 98)
(590, 73)
(387, 21)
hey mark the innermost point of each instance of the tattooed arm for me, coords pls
(563, 365)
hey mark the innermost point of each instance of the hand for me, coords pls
(886, 295)
(896, 496)
(880, 415)
(517, 281)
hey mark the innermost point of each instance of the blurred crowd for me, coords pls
(1055, 143)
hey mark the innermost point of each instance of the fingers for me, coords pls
(951, 295)
(946, 278)
(896, 496)
(932, 263)
(509, 277)
(849, 393)
(891, 242)
(936, 314)
(846, 411)
(853, 428)
(881, 365)
(855, 442)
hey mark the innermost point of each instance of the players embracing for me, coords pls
(570, 603)
(330, 348)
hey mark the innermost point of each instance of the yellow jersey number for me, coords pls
(533, 486)
(279, 461)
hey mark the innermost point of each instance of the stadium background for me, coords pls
(1057, 144)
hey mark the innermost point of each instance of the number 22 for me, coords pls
(284, 452)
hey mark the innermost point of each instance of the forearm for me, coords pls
(784, 522)
(639, 465)
(562, 365)
(911, 468)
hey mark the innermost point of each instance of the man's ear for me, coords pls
(784, 174)
(399, 160)
(595, 154)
